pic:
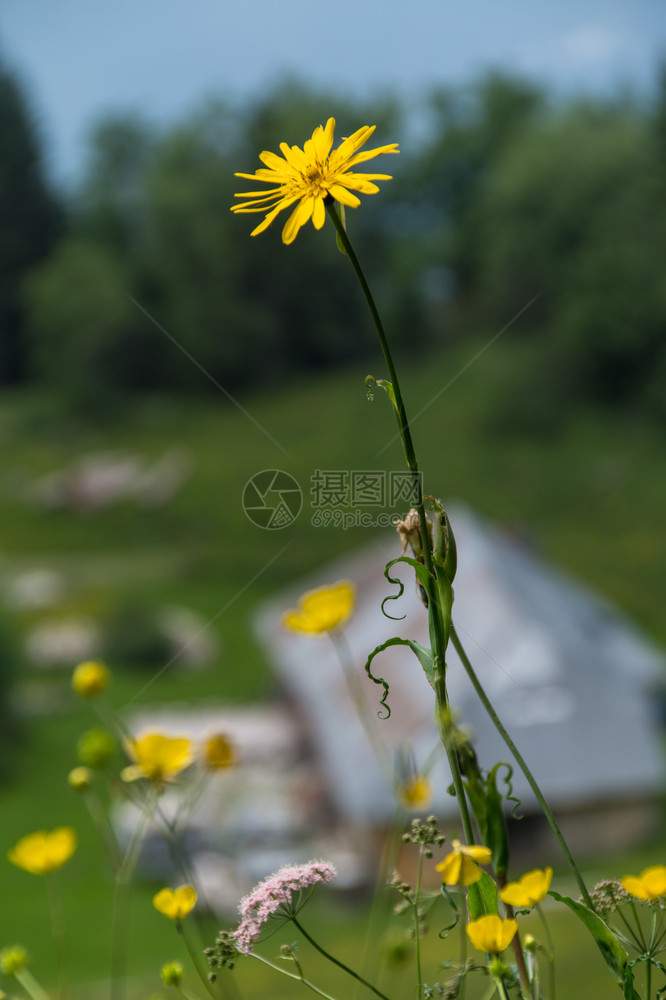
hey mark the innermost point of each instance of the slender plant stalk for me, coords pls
(487, 704)
(336, 961)
(119, 928)
(417, 934)
(30, 985)
(58, 931)
(196, 961)
(292, 975)
(387, 863)
(434, 611)
(551, 949)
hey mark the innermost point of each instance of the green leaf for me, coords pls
(614, 954)
(629, 992)
(482, 897)
(496, 834)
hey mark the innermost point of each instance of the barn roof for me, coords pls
(574, 682)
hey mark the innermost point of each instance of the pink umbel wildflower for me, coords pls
(274, 892)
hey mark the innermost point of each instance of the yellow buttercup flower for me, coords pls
(175, 903)
(529, 891)
(218, 753)
(90, 678)
(650, 884)
(321, 610)
(157, 757)
(461, 866)
(491, 933)
(43, 852)
(310, 177)
(415, 792)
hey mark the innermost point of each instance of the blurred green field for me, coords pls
(589, 490)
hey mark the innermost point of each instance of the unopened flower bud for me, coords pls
(90, 678)
(96, 748)
(172, 973)
(80, 779)
(13, 959)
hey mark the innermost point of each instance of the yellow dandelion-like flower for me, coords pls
(218, 753)
(175, 903)
(461, 866)
(43, 852)
(90, 678)
(529, 891)
(308, 178)
(321, 610)
(491, 933)
(415, 792)
(650, 884)
(157, 757)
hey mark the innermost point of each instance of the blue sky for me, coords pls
(83, 58)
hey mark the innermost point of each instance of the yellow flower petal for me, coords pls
(529, 890)
(461, 866)
(650, 884)
(491, 933)
(175, 903)
(158, 757)
(310, 175)
(321, 610)
(43, 852)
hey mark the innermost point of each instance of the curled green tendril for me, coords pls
(510, 797)
(379, 680)
(396, 582)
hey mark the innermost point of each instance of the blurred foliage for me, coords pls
(506, 204)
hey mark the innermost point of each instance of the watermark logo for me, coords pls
(339, 498)
(272, 499)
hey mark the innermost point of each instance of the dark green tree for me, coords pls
(31, 220)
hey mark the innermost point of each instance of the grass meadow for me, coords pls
(589, 488)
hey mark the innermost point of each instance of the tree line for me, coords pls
(502, 197)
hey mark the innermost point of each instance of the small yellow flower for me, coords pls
(175, 903)
(529, 891)
(461, 866)
(43, 852)
(416, 792)
(218, 753)
(157, 757)
(80, 779)
(13, 960)
(321, 610)
(650, 884)
(307, 178)
(491, 933)
(90, 678)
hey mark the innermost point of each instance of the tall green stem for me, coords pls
(336, 961)
(434, 610)
(487, 704)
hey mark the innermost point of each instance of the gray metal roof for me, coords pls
(572, 679)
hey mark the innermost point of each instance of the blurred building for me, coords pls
(577, 686)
